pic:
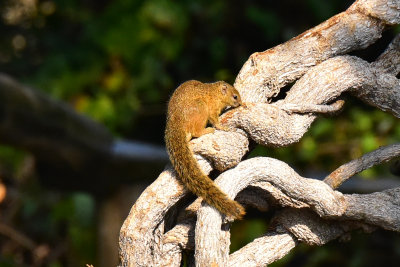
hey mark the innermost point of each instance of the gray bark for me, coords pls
(315, 213)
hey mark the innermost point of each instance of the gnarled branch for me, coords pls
(314, 213)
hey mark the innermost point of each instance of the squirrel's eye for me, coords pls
(235, 97)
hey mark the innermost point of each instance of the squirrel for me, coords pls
(191, 107)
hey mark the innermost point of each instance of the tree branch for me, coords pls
(344, 172)
(270, 173)
(314, 212)
(264, 73)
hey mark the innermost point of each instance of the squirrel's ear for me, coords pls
(224, 89)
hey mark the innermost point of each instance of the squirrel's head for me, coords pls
(232, 97)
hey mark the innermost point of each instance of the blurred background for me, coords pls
(66, 188)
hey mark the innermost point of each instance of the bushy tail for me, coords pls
(191, 175)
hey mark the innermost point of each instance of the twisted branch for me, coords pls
(314, 212)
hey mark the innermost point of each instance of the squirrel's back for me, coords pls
(189, 109)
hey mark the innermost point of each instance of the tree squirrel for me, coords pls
(191, 107)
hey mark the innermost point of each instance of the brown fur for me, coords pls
(191, 106)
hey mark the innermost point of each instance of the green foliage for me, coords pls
(267, 20)
(322, 9)
(245, 232)
(10, 158)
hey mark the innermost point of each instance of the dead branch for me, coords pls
(301, 223)
(314, 212)
(344, 172)
(264, 73)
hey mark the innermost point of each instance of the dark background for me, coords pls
(118, 62)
